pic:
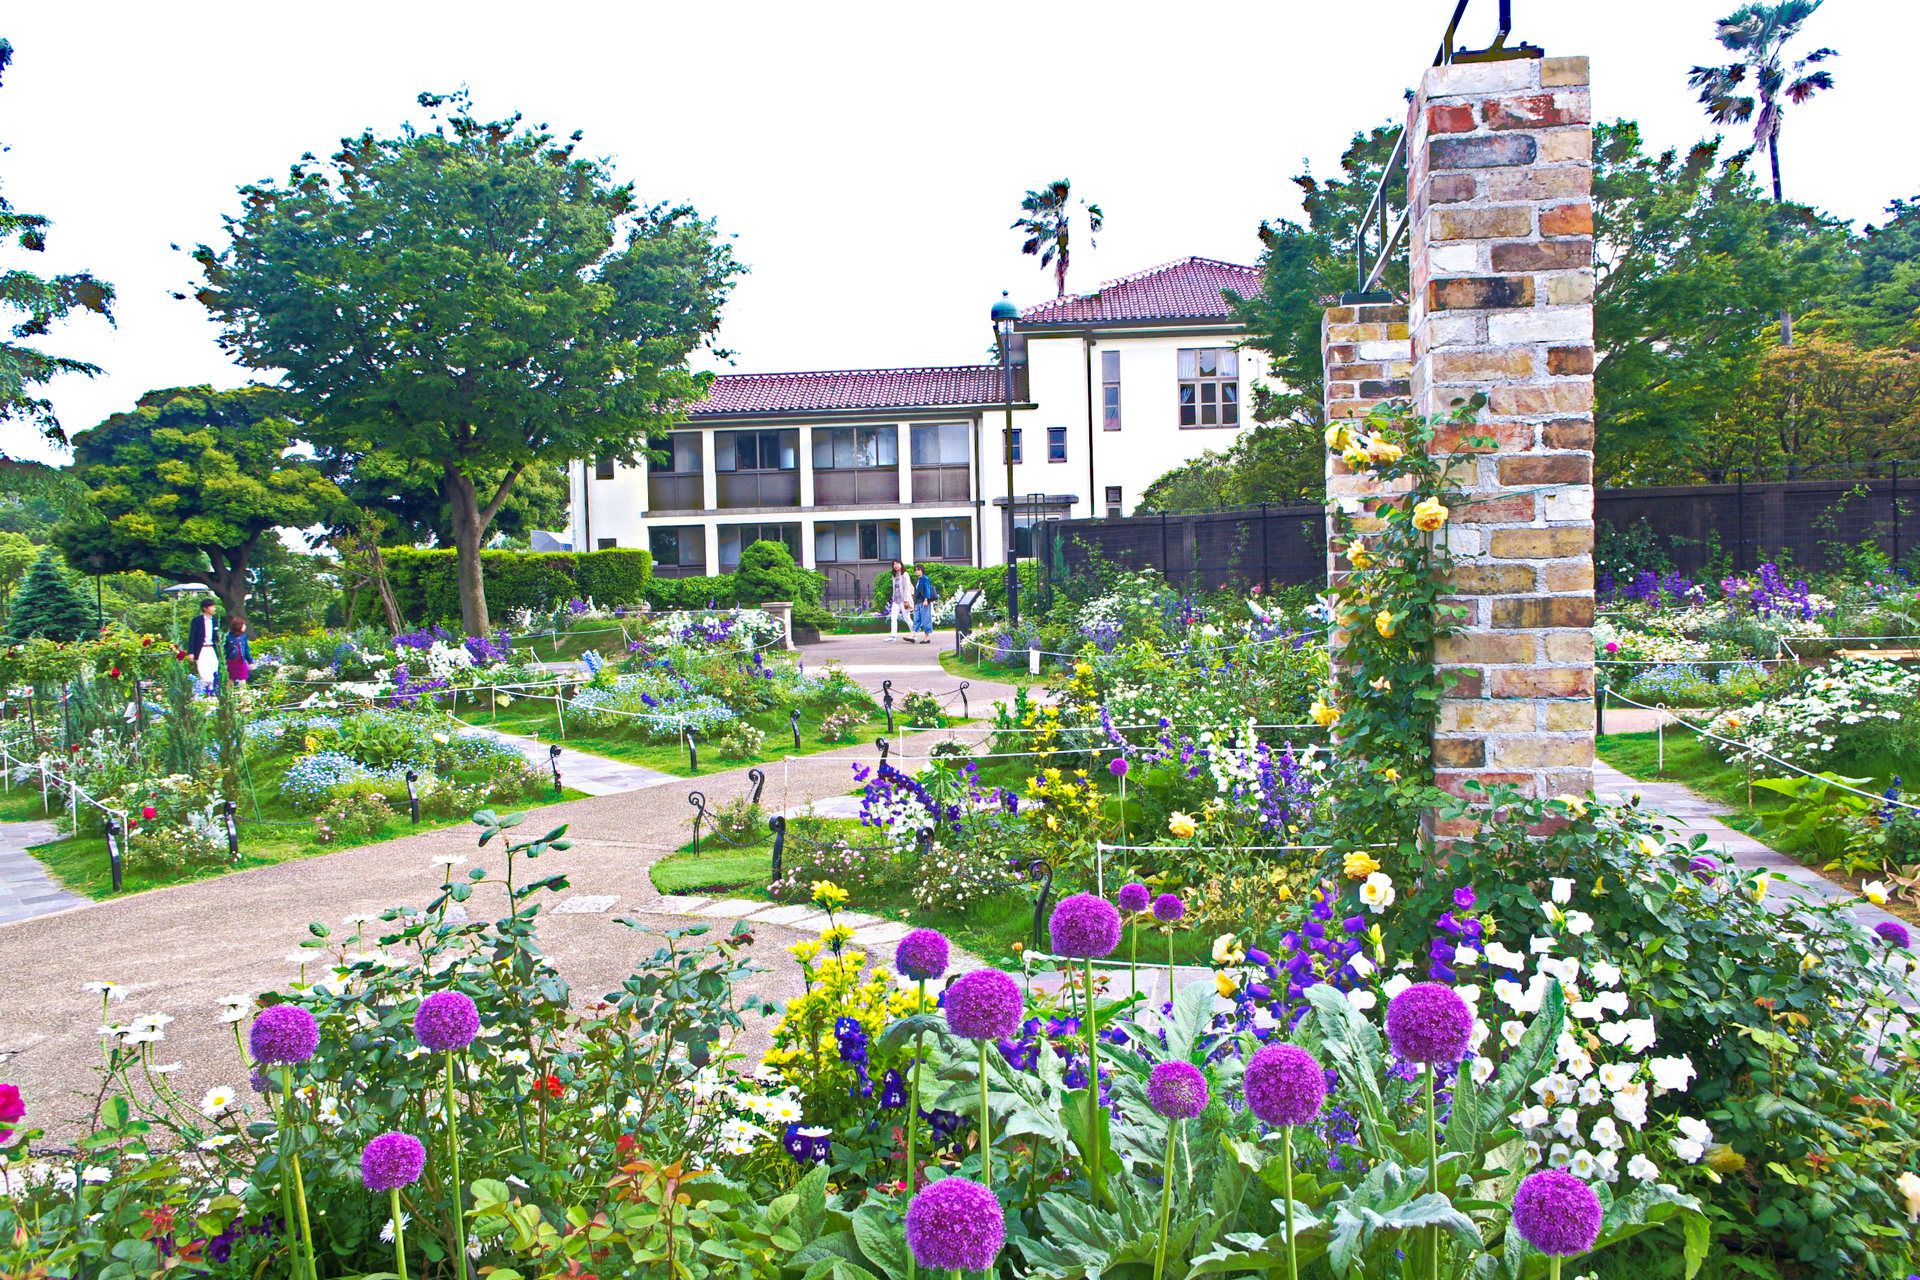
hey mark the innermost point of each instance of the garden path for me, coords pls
(179, 949)
(1691, 814)
(25, 887)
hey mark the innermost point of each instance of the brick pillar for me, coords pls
(1368, 359)
(1501, 249)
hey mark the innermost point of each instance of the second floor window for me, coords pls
(1011, 440)
(674, 455)
(756, 450)
(940, 444)
(603, 467)
(1209, 387)
(1110, 390)
(1056, 444)
(844, 448)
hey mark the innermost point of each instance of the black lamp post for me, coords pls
(1004, 316)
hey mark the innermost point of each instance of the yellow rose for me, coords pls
(1383, 623)
(1575, 805)
(1391, 775)
(1722, 1158)
(1323, 715)
(1383, 450)
(1182, 826)
(1356, 458)
(1429, 515)
(1357, 554)
(1359, 865)
(1338, 437)
(1227, 950)
(1226, 986)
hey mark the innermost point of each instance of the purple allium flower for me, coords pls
(955, 1225)
(1556, 1213)
(984, 1005)
(1084, 927)
(1285, 1085)
(1894, 934)
(1167, 908)
(1177, 1090)
(1118, 768)
(392, 1160)
(445, 1021)
(1135, 897)
(1429, 1022)
(284, 1033)
(259, 1082)
(921, 955)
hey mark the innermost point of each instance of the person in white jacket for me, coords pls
(900, 611)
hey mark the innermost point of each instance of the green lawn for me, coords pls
(271, 831)
(540, 721)
(971, 669)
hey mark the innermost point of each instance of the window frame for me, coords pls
(1110, 390)
(1056, 441)
(1202, 393)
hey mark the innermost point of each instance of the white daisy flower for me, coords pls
(218, 1099)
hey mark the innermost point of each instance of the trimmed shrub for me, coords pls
(427, 589)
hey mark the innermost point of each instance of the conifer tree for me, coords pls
(47, 605)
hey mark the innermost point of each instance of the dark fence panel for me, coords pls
(1809, 521)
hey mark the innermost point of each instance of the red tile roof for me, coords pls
(1189, 289)
(850, 389)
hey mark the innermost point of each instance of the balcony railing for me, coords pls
(759, 489)
(674, 493)
(858, 486)
(940, 484)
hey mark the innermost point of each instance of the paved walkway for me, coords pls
(26, 889)
(1692, 814)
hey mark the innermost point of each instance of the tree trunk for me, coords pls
(466, 543)
(377, 566)
(1773, 157)
(228, 577)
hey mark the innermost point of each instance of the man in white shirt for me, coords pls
(203, 645)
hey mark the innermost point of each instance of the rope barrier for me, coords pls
(1289, 637)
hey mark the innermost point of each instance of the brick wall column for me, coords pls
(1368, 357)
(1501, 249)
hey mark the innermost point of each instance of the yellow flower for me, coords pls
(1227, 950)
(1383, 450)
(1759, 890)
(1390, 774)
(1357, 554)
(1053, 822)
(1338, 437)
(1359, 865)
(1429, 515)
(836, 937)
(1355, 457)
(1575, 805)
(1323, 715)
(1083, 669)
(1182, 826)
(1875, 892)
(804, 951)
(1722, 1158)
(1383, 623)
(829, 894)
(1227, 986)
(1649, 847)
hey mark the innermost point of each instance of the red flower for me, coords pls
(11, 1106)
(114, 672)
(146, 640)
(149, 813)
(549, 1084)
(624, 1143)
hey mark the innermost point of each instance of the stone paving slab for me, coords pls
(27, 889)
(729, 908)
(783, 915)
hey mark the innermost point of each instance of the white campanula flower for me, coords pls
(1565, 969)
(1395, 985)
(1583, 1165)
(1604, 973)
(1559, 1156)
(1534, 1154)
(1630, 1104)
(1511, 1030)
(1568, 1125)
(1693, 1139)
(1607, 1166)
(1635, 1034)
(1617, 1075)
(1532, 1118)
(1362, 966)
(1362, 1000)
(1642, 1169)
(1505, 957)
(1591, 1094)
(1614, 1002)
(1562, 890)
(1578, 923)
(1606, 1134)
(1483, 1069)
(1541, 944)
(1579, 1063)
(1553, 1090)
(1670, 1075)
(1479, 1033)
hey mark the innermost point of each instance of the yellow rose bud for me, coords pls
(1722, 1158)
(1429, 515)
(1226, 986)
(1323, 715)
(1383, 623)
(1359, 865)
(1182, 826)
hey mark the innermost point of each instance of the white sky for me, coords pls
(867, 156)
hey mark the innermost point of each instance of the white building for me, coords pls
(1110, 390)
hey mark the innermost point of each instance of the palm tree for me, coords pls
(1047, 221)
(1759, 33)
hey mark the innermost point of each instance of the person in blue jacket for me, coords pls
(923, 598)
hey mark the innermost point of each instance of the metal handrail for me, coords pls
(1368, 277)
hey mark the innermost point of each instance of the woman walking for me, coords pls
(899, 612)
(923, 598)
(239, 653)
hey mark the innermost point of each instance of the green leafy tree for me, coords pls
(409, 494)
(35, 303)
(1691, 264)
(1274, 462)
(190, 483)
(474, 296)
(1046, 219)
(1881, 306)
(47, 605)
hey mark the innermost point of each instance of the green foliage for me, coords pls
(189, 483)
(425, 582)
(34, 303)
(767, 572)
(525, 310)
(1279, 461)
(47, 605)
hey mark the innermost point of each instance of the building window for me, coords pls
(735, 538)
(1056, 444)
(674, 546)
(674, 455)
(1110, 389)
(939, 444)
(942, 539)
(603, 467)
(846, 448)
(1209, 387)
(756, 451)
(1012, 439)
(850, 540)
(604, 544)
